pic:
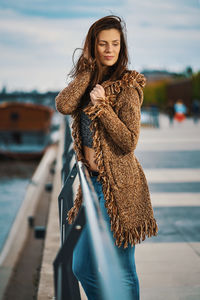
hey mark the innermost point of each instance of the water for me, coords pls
(14, 179)
(15, 176)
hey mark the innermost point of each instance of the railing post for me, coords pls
(66, 285)
(65, 202)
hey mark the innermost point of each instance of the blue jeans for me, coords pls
(83, 265)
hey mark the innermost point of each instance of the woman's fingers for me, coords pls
(98, 90)
(99, 87)
(97, 94)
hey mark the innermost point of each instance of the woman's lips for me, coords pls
(108, 57)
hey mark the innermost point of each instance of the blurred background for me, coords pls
(39, 37)
(37, 40)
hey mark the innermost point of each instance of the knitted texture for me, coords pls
(116, 127)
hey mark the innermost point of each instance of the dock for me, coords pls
(168, 265)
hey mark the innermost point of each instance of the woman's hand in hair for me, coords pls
(87, 61)
(97, 95)
(86, 53)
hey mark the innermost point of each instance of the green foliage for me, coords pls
(196, 86)
(155, 93)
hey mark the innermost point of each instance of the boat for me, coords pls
(24, 129)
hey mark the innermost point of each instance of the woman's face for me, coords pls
(108, 46)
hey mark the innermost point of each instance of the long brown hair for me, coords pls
(89, 58)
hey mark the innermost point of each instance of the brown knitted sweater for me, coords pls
(116, 125)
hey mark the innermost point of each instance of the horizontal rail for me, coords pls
(107, 263)
(106, 260)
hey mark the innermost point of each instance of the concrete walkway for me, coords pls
(168, 266)
(21, 231)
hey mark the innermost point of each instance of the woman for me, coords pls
(105, 99)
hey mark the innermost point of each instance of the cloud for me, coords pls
(61, 8)
(36, 49)
(164, 34)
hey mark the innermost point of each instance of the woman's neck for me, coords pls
(105, 70)
(105, 73)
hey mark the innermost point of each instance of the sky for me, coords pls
(37, 38)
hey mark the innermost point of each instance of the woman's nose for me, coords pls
(109, 48)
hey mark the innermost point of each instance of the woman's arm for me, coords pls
(68, 99)
(123, 128)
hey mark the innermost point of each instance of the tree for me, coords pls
(196, 86)
(155, 93)
(188, 71)
(4, 90)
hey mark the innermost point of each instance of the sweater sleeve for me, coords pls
(123, 128)
(68, 99)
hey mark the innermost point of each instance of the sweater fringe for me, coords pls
(73, 212)
(122, 236)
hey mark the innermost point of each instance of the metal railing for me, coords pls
(65, 283)
(107, 264)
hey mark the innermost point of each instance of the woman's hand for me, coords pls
(86, 53)
(97, 94)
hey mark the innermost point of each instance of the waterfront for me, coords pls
(170, 158)
(14, 179)
(15, 176)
